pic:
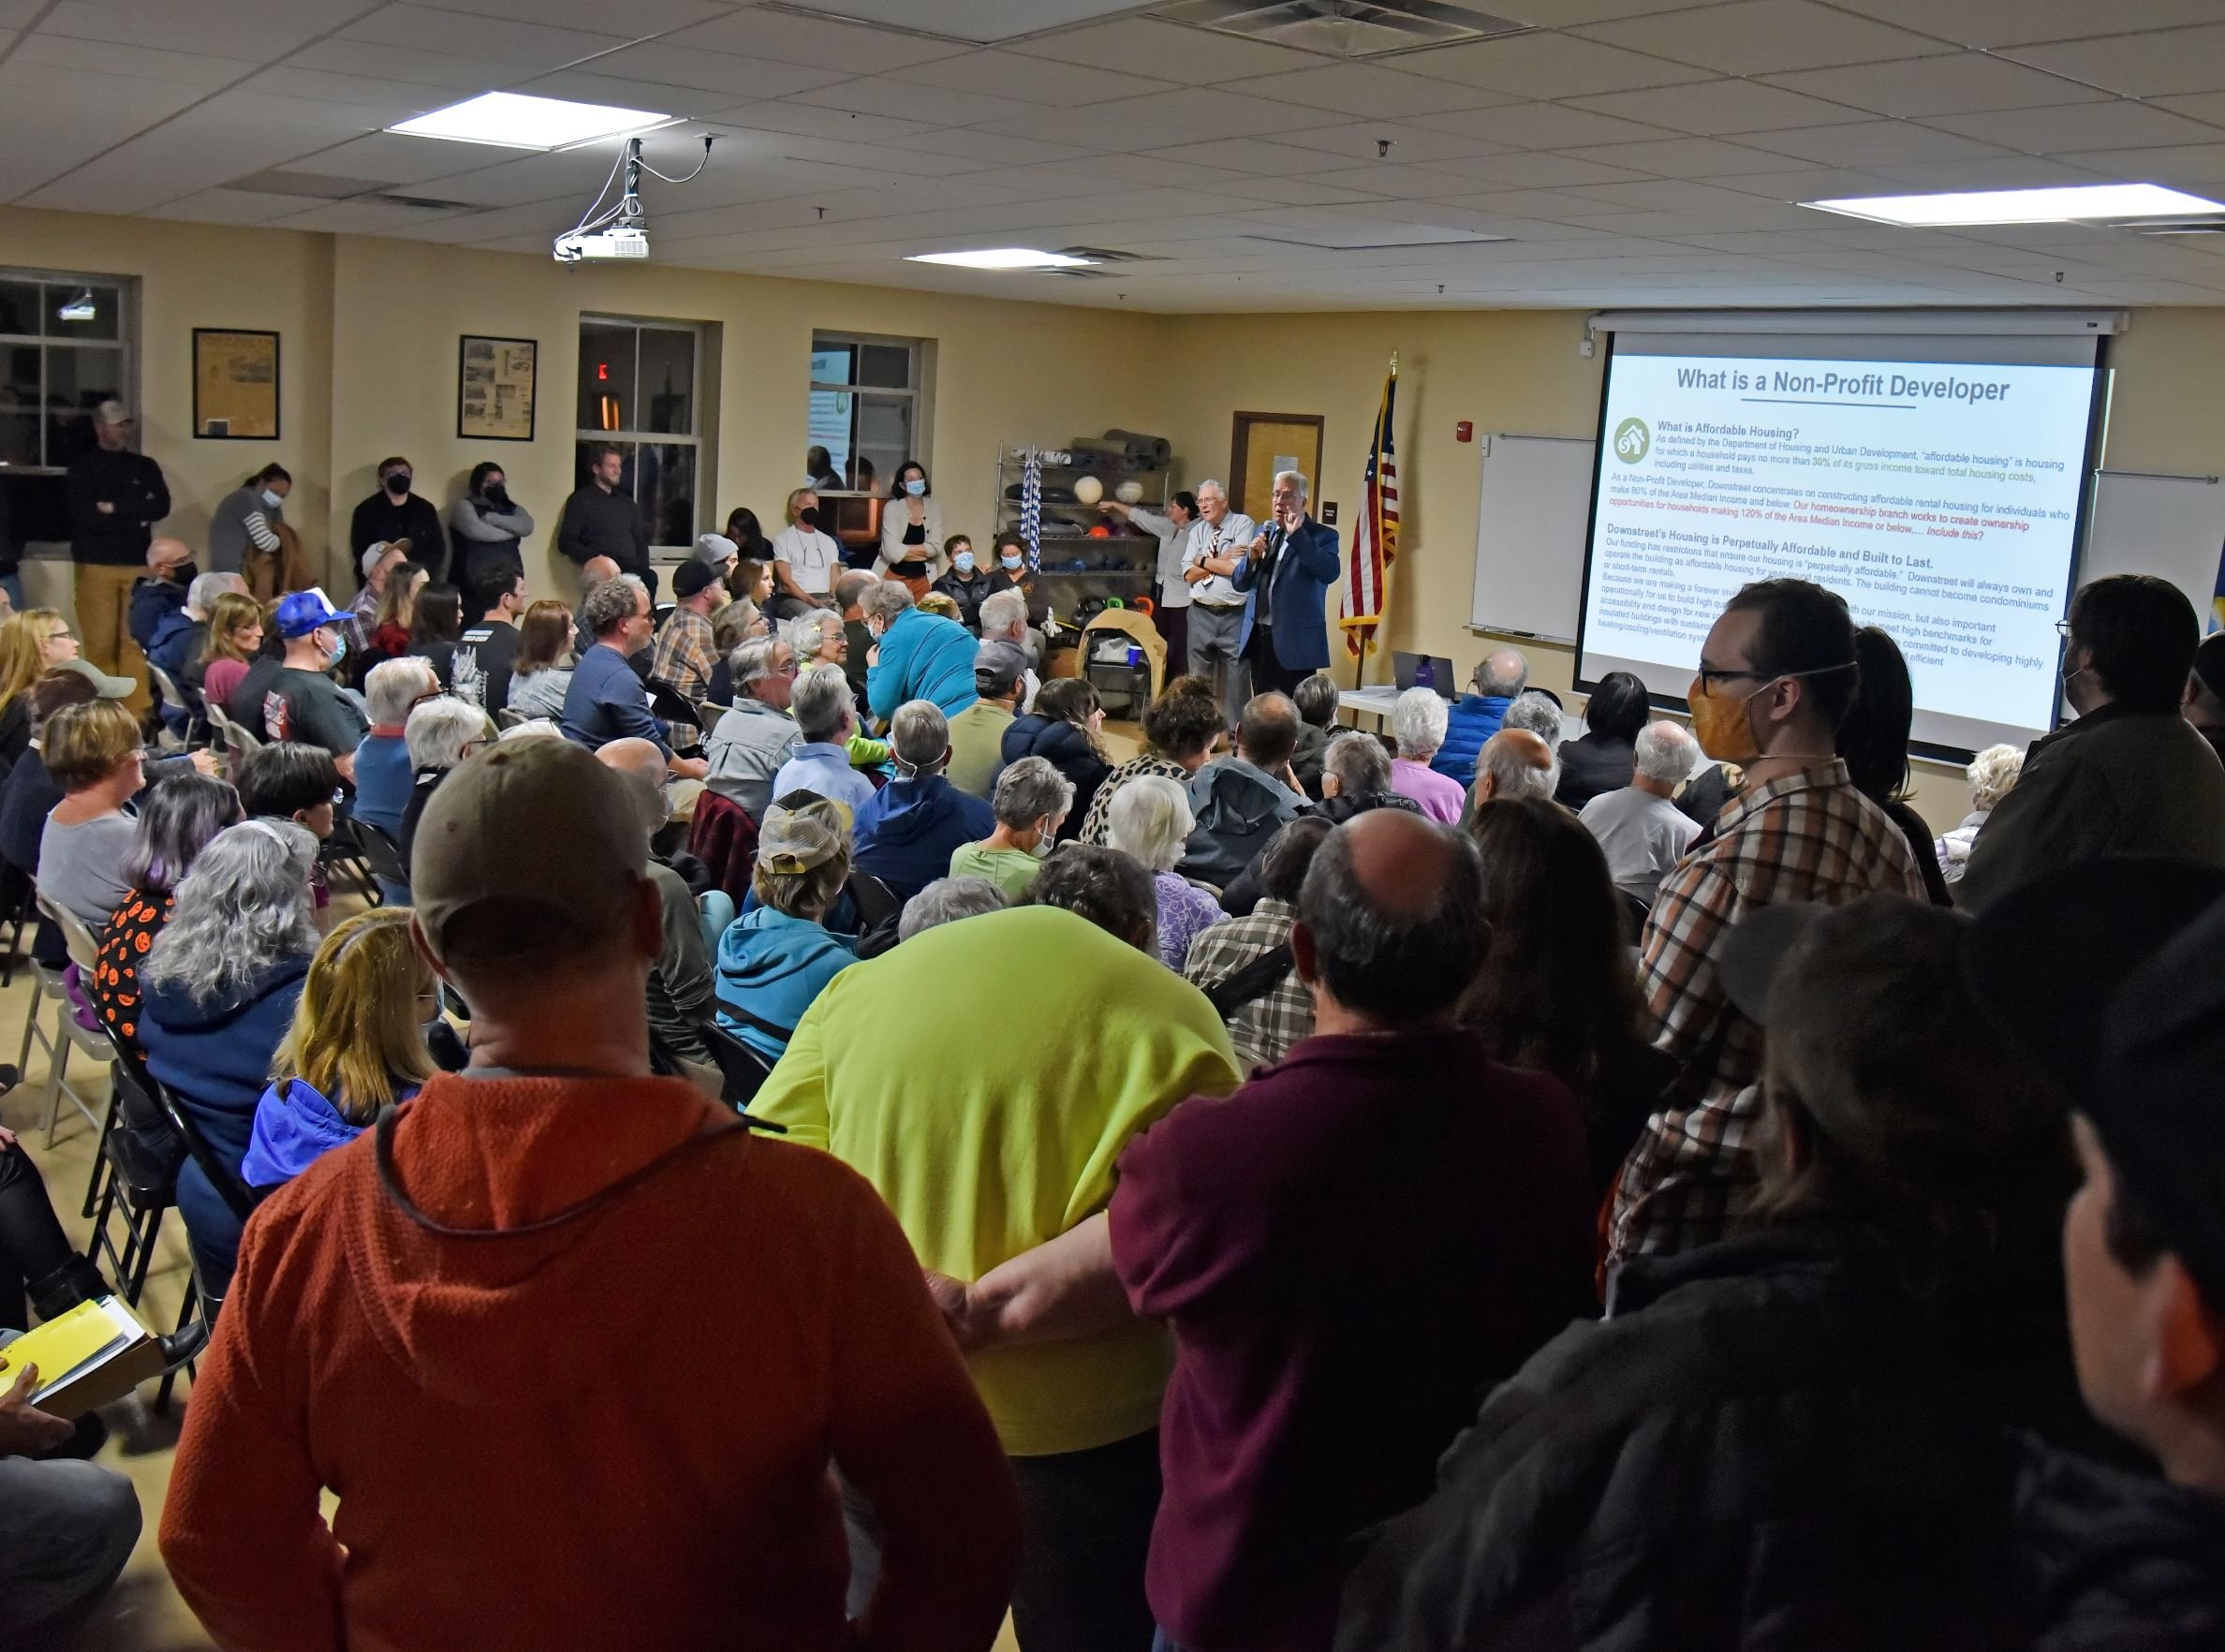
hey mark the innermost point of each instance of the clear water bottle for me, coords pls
(1426, 673)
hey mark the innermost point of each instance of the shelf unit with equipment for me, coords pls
(1118, 565)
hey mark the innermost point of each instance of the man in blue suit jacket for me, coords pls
(1291, 564)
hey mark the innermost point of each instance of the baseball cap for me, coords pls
(582, 819)
(302, 612)
(692, 578)
(714, 549)
(104, 686)
(114, 412)
(799, 837)
(376, 554)
(2209, 663)
(998, 665)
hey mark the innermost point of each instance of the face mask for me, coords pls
(1042, 846)
(1011, 559)
(499, 494)
(915, 488)
(184, 573)
(398, 483)
(809, 518)
(963, 562)
(271, 501)
(1720, 723)
(339, 650)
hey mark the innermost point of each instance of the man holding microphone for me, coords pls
(1290, 567)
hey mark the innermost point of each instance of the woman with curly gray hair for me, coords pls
(217, 993)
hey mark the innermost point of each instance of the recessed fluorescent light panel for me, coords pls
(518, 122)
(1001, 257)
(2083, 203)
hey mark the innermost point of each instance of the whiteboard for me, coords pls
(2171, 525)
(1529, 536)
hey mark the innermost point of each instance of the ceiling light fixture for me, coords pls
(2079, 203)
(1001, 257)
(515, 121)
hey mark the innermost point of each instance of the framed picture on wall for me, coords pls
(494, 387)
(235, 385)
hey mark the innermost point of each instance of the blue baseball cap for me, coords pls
(302, 612)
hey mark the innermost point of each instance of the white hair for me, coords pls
(1539, 715)
(395, 684)
(1002, 612)
(919, 736)
(532, 728)
(754, 661)
(885, 601)
(823, 702)
(1358, 760)
(947, 900)
(244, 906)
(1149, 819)
(1296, 478)
(807, 632)
(201, 594)
(439, 729)
(1513, 774)
(1665, 752)
(1030, 791)
(1992, 774)
(1503, 673)
(1418, 719)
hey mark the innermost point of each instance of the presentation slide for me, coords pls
(1940, 499)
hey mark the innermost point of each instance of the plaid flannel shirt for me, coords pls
(1097, 826)
(1810, 836)
(1262, 1031)
(685, 654)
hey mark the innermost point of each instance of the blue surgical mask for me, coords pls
(339, 649)
(271, 501)
(915, 488)
(1011, 559)
(963, 562)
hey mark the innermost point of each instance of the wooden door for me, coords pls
(1264, 444)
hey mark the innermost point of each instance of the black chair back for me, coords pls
(745, 1069)
(235, 1192)
(380, 852)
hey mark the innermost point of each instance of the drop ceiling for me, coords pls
(1613, 151)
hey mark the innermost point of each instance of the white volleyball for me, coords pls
(1129, 493)
(1088, 490)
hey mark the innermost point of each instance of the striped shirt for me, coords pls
(1810, 836)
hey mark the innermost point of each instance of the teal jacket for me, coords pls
(922, 657)
(770, 967)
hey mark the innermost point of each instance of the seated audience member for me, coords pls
(682, 991)
(818, 638)
(181, 639)
(1355, 778)
(936, 603)
(382, 767)
(291, 782)
(605, 700)
(2202, 702)
(217, 992)
(376, 564)
(685, 650)
(435, 628)
(1004, 619)
(1992, 775)
(946, 901)
(539, 679)
(595, 570)
(1874, 740)
(1477, 715)
(29, 793)
(1242, 800)
(1032, 800)
(907, 831)
(1315, 698)
(488, 650)
(1180, 729)
(776, 958)
(1538, 710)
(1642, 833)
(2129, 775)
(826, 717)
(1263, 1024)
(737, 623)
(356, 1047)
(1776, 678)
(1418, 724)
(987, 1148)
(1151, 821)
(1600, 760)
(177, 820)
(71, 1524)
(1064, 729)
(977, 734)
(161, 591)
(441, 733)
(916, 656)
(849, 594)
(754, 741)
(302, 704)
(1556, 993)
(1109, 888)
(394, 621)
(32, 644)
(233, 643)
(1513, 763)
(1830, 1386)
(93, 753)
(477, 1470)
(722, 555)
(966, 583)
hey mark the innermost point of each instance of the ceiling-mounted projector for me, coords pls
(621, 240)
(623, 232)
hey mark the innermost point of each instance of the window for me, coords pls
(66, 345)
(640, 391)
(865, 411)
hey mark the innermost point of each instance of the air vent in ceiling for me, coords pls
(424, 203)
(1343, 28)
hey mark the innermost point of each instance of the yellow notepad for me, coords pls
(96, 1354)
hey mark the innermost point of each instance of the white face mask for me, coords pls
(272, 501)
(1042, 846)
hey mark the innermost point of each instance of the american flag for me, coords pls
(1375, 541)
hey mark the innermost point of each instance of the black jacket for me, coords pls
(131, 483)
(1243, 891)
(596, 524)
(1779, 1441)
(1065, 749)
(1597, 763)
(380, 519)
(967, 592)
(2119, 1559)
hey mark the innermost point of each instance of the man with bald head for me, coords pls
(1349, 1248)
(595, 570)
(682, 986)
(1514, 762)
(1478, 715)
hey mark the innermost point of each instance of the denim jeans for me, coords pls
(65, 1529)
(1085, 1529)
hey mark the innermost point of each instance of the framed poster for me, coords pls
(235, 385)
(494, 387)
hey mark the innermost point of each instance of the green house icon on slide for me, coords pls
(1632, 440)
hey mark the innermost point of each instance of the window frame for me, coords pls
(126, 343)
(918, 352)
(701, 409)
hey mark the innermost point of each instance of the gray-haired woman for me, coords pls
(1032, 799)
(218, 989)
(177, 820)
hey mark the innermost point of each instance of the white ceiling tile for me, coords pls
(1244, 154)
(683, 102)
(394, 157)
(2153, 64)
(991, 149)
(641, 17)
(1764, 37)
(423, 28)
(821, 43)
(144, 63)
(1870, 143)
(1714, 109)
(1682, 157)
(2206, 106)
(1291, 191)
(1660, 194)
(232, 206)
(383, 101)
(261, 30)
(358, 217)
(972, 20)
(2199, 166)
(1808, 184)
(2012, 22)
(1096, 126)
(901, 99)
(1166, 51)
(1207, 113)
(2117, 124)
(1525, 203)
(1541, 126)
(1414, 145)
(1561, 14)
(1048, 182)
(1403, 182)
(1031, 79)
(1546, 172)
(2009, 171)
(1546, 65)
(804, 120)
(663, 63)
(1156, 172)
(365, 60)
(1968, 83)
(1367, 90)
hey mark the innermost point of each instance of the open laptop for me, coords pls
(1405, 666)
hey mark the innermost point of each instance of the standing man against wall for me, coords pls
(116, 497)
(1219, 612)
(1291, 565)
(394, 512)
(600, 519)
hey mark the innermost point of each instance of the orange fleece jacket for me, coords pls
(613, 1434)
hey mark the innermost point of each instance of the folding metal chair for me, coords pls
(47, 982)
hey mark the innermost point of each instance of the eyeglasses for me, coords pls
(1710, 675)
(2063, 630)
